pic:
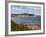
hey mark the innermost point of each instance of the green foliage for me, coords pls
(16, 27)
(19, 27)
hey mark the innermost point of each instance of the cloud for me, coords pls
(26, 9)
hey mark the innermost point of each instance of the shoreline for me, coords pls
(22, 27)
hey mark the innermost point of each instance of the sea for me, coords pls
(27, 19)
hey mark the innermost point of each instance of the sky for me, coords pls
(16, 9)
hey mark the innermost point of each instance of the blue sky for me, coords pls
(26, 9)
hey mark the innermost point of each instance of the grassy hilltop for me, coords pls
(22, 27)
